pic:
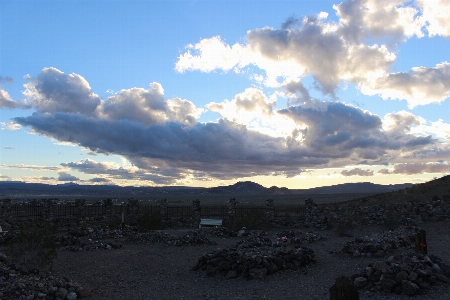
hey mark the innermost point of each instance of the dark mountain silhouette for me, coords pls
(239, 188)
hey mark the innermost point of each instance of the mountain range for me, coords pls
(239, 188)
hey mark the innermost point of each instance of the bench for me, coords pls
(210, 223)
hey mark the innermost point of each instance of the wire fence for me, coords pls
(21, 212)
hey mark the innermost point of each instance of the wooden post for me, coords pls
(343, 289)
(421, 242)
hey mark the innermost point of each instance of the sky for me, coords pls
(296, 94)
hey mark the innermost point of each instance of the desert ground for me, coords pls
(159, 271)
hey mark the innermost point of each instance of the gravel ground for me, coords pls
(158, 271)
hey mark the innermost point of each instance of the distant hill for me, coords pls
(239, 188)
(419, 192)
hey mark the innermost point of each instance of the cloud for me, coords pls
(157, 175)
(251, 138)
(401, 121)
(384, 171)
(420, 168)
(63, 176)
(99, 180)
(9, 126)
(6, 101)
(8, 148)
(53, 91)
(6, 79)
(148, 107)
(394, 19)
(436, 13)
(357, 172)
(30, 167)
(311, 49)
(335, 52)
(420, 86)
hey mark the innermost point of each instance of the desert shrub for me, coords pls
(149, 221)
(249, 218)
(34, 245)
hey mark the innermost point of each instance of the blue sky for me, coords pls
(205, 93)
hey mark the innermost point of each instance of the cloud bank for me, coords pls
(359, 48)
(164, 141)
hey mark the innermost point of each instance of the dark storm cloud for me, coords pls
(162, 138)
(99, 180)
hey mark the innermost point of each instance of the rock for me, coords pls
(409, 288)
(387, 284)
(61, 293)
(231, 274)
(442, 278)
(360, 281)
(257, 273)
(72, 296)
(84, 292)
(402, 275)
(412, 276)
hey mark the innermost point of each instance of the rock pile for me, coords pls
(254, 241)
(90, 245)
(220, 232)
(410, 274)
(254, 257)
(379, 244)
(191, 238)
(19, 283)
(297, 237)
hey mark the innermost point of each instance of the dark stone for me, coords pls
(257, 273)
(387, 284)
(231, 274)
(442, 278)
(409, 288)
(402, 275)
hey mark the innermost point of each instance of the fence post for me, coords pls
(108, 209)
(421, 242)
(133, 211)
(163, 209)
(81, 208)
(270, 211)
(196, 212)
(6, 210)
(48, 209)
(232, 207)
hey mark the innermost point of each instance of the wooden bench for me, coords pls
(210, 223)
